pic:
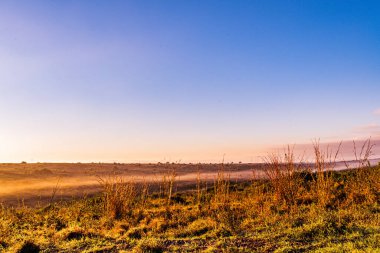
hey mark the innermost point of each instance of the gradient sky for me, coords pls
(140, 81)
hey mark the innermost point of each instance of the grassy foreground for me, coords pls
(293, 210)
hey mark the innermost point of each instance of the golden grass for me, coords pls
(297, 207)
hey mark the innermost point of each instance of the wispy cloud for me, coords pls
(369, 129)
(377, 112)
(305, 151)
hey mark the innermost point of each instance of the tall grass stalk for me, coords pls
(221, 186)
(365, 186)
(323, 181)
(168, 182)
(119, 196)
(284, 175)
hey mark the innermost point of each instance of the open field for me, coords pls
(34, 183)
(174, 208)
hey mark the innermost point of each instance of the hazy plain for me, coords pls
(35, 183)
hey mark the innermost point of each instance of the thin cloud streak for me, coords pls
(377, 112)
(346, 148)
(372, 130)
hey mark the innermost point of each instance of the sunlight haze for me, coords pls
(149, 81)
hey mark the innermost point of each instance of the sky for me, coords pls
(184, 81)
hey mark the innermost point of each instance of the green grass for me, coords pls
(236, 217)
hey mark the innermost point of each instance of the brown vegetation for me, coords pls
(298, 207)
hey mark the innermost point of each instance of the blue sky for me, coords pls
(184, 80)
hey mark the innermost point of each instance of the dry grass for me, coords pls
(168, 183)
(323, 181)
(119, 196)
(284, 174)
(365, 186)
(296, 208)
